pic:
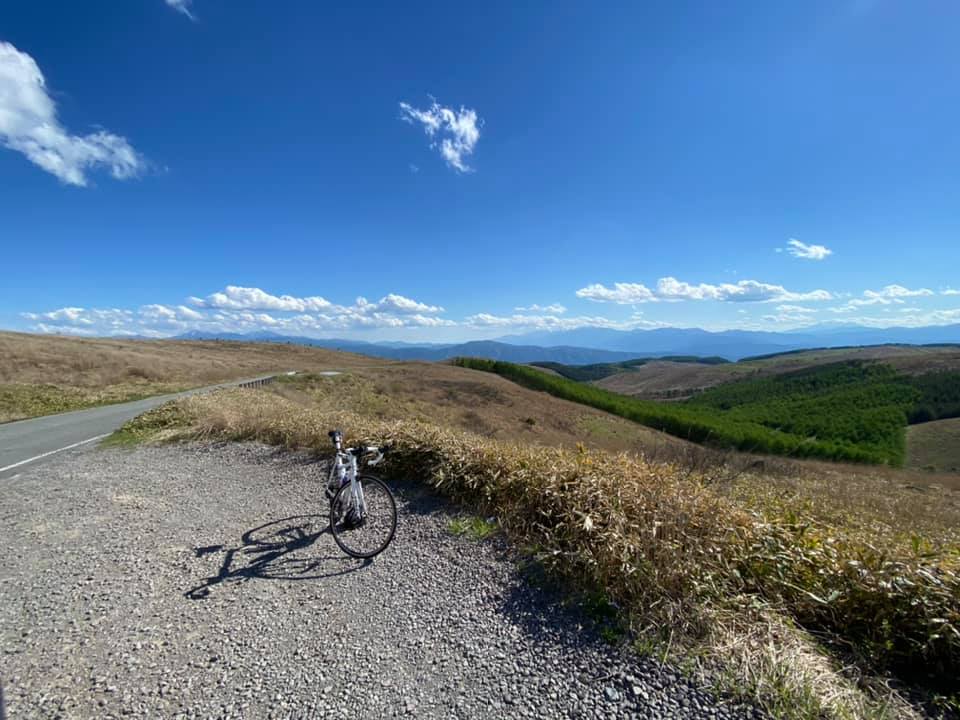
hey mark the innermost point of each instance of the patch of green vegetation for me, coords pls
(598, 426)
(598, 606)
(702, 423)
(23, 401)
(598, 371)
(148, 426)
(854, 410)
(19, 401)
(856, 403)
(474, 526)
(939, 396)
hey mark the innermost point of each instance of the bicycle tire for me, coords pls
(380, 523)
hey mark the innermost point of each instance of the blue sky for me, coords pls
(430, 172)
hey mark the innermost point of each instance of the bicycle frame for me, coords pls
(351, 468)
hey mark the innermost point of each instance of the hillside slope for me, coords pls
(934, 446)
(43, 374)
(663, 380)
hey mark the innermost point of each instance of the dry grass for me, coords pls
(749, 577)
(481, 403)
(43, 374)
(934, 446)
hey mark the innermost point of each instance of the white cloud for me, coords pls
(553, 309)
(896, 291)
(917, 319)
(950, 291)
(235, 297)
(620, 293)
(807, 252)
(239, 309)
(889, 295)
(794, 319)
(671, 289)
(182, 6)
(795, 309)
(551, 322)
(397, 304)
(458, 132)
(29, 125)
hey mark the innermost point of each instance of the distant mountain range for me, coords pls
(599, 345)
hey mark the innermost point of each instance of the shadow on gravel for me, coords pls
(277, 551)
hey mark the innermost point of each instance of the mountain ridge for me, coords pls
(585, 346)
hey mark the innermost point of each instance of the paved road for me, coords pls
(26, 442)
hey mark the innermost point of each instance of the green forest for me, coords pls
(853, 410)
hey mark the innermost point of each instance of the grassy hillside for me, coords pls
(764, 430)
(678, 381)
(43, 374)
(934, 446)
(483, 404)
(598, 371)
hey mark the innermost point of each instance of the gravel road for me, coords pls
(198, 581)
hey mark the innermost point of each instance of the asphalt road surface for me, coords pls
(27, 442)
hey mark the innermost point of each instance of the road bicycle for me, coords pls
(363, 512)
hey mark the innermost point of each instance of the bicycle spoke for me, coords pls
(364, 534)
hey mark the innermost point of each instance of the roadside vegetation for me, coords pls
(758, 578)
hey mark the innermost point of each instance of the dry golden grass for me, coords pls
(934, 445)
(481, 403)
(43, 374)
(732, 570)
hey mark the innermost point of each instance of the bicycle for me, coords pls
(363, 512)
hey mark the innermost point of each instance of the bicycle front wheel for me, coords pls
(363, 519)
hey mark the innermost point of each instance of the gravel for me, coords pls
(201, 581)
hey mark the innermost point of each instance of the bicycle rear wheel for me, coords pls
(363, 524)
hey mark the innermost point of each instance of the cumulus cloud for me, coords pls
(950, 291)
(807, 252)
(671, 289)
(551, 322)
(620, 293)
(889, 295)
(29, 125)
(552, 309)
(396, 304)
(182, 6)
(234, 297)
(239, 309)
(454, 133)
(897, 291)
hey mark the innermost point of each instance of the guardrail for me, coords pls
(258, 383)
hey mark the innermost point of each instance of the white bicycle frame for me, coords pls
(351, 469)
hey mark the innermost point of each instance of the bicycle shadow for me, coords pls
(277, 550)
